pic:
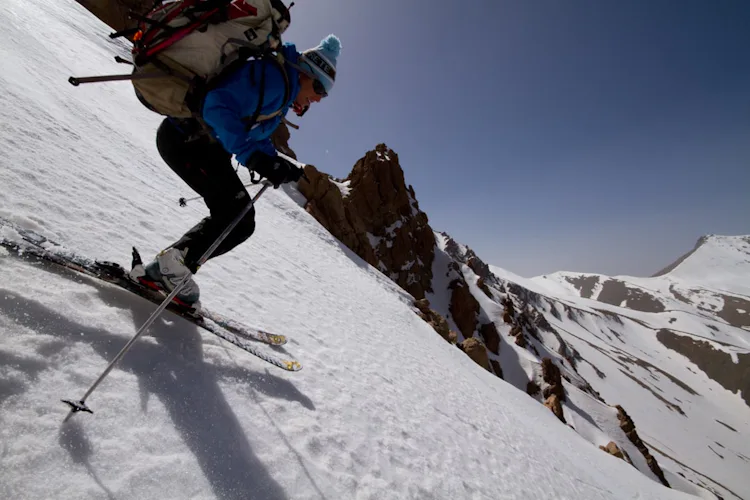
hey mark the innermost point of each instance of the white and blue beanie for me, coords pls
(322, 60)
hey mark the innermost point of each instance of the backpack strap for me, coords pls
(251, 121)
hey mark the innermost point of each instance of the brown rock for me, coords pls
(379, 210)
(556, 389)
(508, 305)
(553, 379)
(476, 350)
(483, 286)
(628, 426)
(463, 307)
(475, 263)
(532, 388)
(452, 337)
(491, 337)
(507, 316)
(496, 368)
(626, 423)
(553, 403)
(516, 330)
(523, 319)
(615, 450)
(550, 372)
(438, 323)
(521, 341)
(423, 305)
(433, 318)
(325, 203)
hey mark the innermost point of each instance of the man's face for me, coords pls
(307, 94)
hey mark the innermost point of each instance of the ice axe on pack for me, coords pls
(77, 80)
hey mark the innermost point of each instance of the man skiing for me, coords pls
(242, 110)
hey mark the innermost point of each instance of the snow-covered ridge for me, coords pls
(713, 280)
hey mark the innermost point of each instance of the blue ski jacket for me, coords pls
(235, 98)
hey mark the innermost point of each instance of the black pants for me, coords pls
(207, 168)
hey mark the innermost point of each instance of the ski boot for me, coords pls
(165, 272)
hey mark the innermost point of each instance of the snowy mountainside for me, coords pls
(717, 260)
(383, 408)
(712, 280)
(680, 371)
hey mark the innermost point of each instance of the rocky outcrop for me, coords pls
(553, 403)
(483, 286)
(477, 265)
(628, 427)
(435, 320)
(508, 311)
(532, 388)
(476, 350)
(378, 217)
(488, 331)
(552, 379)
(463, 307)
(496, 367)
(326, 204)
(615, 450)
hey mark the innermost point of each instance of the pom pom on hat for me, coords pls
(322, 60)
(332, 45)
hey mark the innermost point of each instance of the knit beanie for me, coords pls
(321, 60)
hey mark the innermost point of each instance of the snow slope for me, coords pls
(721, 262)
(383, 408)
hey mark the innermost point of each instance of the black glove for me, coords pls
(274, 168)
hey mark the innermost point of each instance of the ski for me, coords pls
(37, 247)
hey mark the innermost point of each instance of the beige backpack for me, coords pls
(181, 45)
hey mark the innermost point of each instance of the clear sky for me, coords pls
(582, 135)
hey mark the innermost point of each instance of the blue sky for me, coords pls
(598, 136)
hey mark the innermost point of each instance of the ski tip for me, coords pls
(274, 339)
(292, 366)
(136, 257)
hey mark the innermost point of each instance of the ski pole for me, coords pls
(80, 405)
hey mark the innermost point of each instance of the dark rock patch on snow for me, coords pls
(718, 365)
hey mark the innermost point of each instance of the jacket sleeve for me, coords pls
(225, 106)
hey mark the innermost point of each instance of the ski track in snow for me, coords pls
(383, 409)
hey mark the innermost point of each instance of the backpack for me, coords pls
(181, 47)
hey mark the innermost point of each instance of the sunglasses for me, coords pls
(319, 88)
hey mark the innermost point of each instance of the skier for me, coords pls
(257, 90)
